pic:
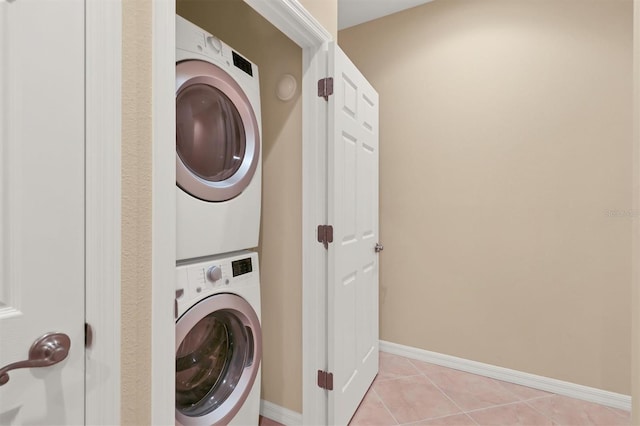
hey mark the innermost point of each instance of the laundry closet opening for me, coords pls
(280, 245)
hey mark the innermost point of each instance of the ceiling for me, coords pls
(354, 12)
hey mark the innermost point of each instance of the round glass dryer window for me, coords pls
(210, 361)
(210, 136)
(217, 133)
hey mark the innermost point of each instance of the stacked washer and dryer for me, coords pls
(218, 195)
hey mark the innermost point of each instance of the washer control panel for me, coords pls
(195, 280)
(241, 266)
(214, 273)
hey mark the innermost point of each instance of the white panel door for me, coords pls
(353, 212)
(42, 206)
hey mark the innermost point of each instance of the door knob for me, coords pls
(379, 247)
(47, 350)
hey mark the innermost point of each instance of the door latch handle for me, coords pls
(379, 247)
(47, 350)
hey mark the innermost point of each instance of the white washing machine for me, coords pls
(218, 341)
(218, 130)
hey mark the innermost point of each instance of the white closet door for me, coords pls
(42, 206)
(353, 212)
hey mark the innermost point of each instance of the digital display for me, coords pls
(242, 63)
(242, 266)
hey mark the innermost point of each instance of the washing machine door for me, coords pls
(217, 135)
(218, 353)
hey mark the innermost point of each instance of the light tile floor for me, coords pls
(417, 393)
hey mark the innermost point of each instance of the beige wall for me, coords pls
(136, 213)
(280, 240)
(326, 12)
(505, 182)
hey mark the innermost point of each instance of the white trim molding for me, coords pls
(280, 414)
(585, 393)
(290, 17)
(103, 115)
(635, 239)
(163, 261)
(314, 256)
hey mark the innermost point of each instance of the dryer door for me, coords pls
(218, 352)
(217, 137)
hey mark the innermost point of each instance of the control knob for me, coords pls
(214, 43)
(214, 273)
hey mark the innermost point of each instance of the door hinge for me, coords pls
(88, 335)
(325, 380)
(325, 87)
(325, 235)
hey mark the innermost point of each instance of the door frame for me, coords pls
(103, 116)
(290, 17)
(303, 29)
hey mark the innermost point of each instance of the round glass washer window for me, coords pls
(210, 135)
(209, 363)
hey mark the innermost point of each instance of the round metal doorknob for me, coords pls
(47, 350)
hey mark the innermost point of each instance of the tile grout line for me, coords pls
(439, 418)
(418, 374)
(385, 406)
(388, 379)
(443, 393)
(519, 400)
(539, 411)
(522, 399)
(468, 414)
(506, 404)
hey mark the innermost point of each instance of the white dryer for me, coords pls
(218, 130)
(218, 341)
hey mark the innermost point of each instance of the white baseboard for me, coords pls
(586, 393)
(279, 414)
